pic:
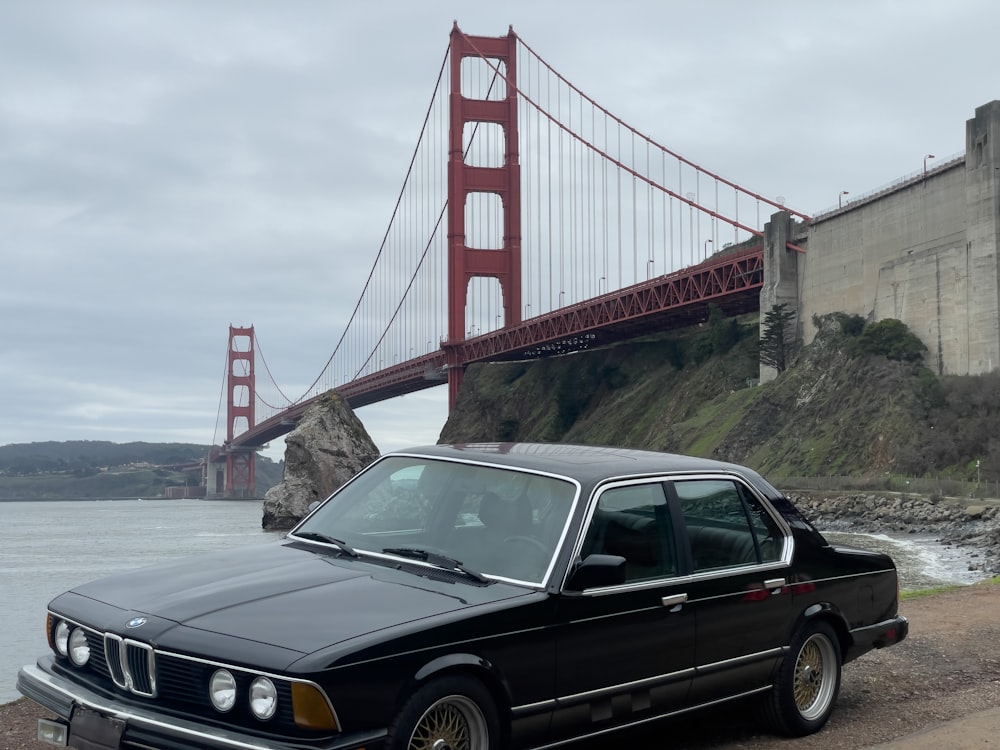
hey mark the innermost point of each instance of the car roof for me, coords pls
(586, 463)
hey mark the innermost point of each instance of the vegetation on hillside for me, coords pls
(856, 402)
(777, 339)
(101, 469)
(87, 457)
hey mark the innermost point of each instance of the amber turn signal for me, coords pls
(311, 708)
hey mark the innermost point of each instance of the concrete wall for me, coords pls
(923, 251)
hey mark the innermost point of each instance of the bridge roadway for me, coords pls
(731, 280)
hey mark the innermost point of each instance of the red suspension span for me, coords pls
(241, 385)
(464, 262)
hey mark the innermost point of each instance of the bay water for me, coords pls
(47, 547)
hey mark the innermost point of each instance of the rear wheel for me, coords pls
(451, 713)
(807, 683)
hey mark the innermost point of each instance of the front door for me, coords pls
(625, 652)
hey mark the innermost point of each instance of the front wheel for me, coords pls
(451, 713)
(807, 683)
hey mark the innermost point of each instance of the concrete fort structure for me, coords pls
(923, 250)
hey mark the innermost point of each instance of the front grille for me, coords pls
(131, 664)
(178, 683)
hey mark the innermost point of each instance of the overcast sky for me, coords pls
(170, 168)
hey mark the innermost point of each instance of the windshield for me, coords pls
(497, 522)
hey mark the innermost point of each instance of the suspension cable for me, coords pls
(381, 249)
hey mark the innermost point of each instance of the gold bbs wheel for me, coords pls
(453, 712)
(806, 683)
(452, 723)
(814, 683)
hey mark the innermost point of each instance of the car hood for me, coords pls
(297, 597)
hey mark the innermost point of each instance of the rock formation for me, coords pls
(327, 447)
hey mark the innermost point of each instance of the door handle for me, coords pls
(774, 584)
(675, 600)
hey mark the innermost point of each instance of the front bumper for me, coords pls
(147, 728)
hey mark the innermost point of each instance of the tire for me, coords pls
(806, 686)
(450, 713)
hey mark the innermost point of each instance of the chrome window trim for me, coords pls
(765, 503)
(788, 551)
(595, 497)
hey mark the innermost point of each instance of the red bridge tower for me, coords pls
(240, 417)
(464, 262)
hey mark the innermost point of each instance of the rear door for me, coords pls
(625, 652)
(739, 553)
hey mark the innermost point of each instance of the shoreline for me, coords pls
(973, 525)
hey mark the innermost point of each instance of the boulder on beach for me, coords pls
(327, 447)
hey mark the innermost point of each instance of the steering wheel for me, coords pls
(530, 541)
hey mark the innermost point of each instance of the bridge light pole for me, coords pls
(705, 248)
(929, 156)
(840, 198)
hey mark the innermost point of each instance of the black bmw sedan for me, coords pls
(475, 596)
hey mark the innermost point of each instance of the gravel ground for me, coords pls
(948, 668)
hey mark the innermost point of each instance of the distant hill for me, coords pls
(849, 404)
(97, 468)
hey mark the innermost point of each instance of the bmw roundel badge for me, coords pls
(136, 622)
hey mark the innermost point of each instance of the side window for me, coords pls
(633, 522)
(726, 526)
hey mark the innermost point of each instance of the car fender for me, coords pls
(832, 614)
(471, 664)
(448, 662)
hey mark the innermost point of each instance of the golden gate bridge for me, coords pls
(531, 221)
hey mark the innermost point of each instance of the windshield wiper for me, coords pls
(338, 543)
(436, 559)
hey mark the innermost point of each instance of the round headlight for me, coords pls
(263, 698)
(222, 690)
(79, 649)
(62, 638)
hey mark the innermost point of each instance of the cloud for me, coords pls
(170, 168)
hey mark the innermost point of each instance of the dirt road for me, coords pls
(948, 669)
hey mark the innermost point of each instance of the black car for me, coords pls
(476, 596)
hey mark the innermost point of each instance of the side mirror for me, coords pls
(314, 505)
(596, 571)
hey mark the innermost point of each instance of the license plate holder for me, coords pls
(90, 730)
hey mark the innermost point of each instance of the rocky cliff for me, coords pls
(838, 410)
(327, 447)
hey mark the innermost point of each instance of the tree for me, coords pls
(722, 331)
(777, 340)
(891, 338)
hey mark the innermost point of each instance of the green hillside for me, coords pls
(102, 469)
(856, 402)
